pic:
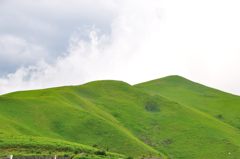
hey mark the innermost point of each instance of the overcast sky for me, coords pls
(69, 42)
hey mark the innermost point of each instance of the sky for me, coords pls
(70, 42)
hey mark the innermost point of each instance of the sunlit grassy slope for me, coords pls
(115, 116)
(66, 114)
(221, 105)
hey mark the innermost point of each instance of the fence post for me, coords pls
(11, 156)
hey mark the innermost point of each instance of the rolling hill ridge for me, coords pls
(170, 117)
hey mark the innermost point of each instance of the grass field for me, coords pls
(20, 145)
(170, 118)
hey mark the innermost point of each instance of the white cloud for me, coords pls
(147, 39)
(14, 50)
(49, 24)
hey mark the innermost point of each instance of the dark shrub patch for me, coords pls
(152, 106)
(94, 145)
(66, 155)
(219, 116)
(38, 152)
(76, 152)
(100, 152)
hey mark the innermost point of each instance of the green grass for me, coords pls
(221, 105)
(155, 118)
(61, 113)
(19, 145)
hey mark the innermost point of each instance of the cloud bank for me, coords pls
(69, 43)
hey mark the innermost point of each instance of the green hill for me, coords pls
(221, 105)
(114, 116)
(66, 114)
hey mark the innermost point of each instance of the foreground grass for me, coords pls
(18, 145)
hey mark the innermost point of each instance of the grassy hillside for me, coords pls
(114, 116)
(177, 130)
(221, 105)
(62, 114)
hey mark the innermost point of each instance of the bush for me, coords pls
(38, 152)
(66, 155)
(152, 106)
(76, 152)
(100, 152)
(220, 116)
(95, 145)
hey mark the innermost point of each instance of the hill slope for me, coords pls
(121, 118)
(61, 113)
(221, 105)
(177, 130)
